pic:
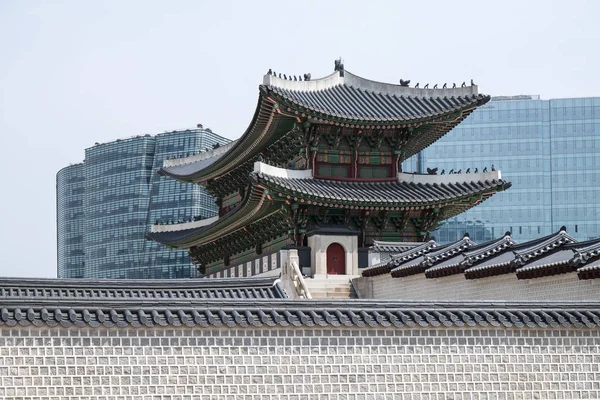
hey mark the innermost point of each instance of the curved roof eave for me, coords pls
(241, 149)
(363, 102)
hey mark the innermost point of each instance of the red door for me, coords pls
(336, 259)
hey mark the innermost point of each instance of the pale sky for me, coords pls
(73, 73)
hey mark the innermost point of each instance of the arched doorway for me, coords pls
(336, 259)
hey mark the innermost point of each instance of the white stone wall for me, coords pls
(501, 287)
(299, 363)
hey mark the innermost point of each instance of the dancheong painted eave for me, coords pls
(342, 100)
(272, 187)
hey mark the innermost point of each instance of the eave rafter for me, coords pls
(448, 208)
(411, 136)
(280, 152)
(267, 228)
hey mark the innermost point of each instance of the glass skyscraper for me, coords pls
(70, 187)
(548, 149)
(106, 205)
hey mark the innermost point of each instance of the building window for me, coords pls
(374, 172)
(333, 171)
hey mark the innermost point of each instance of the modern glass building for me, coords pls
(548, 149)
(70, 188)
(107, 204)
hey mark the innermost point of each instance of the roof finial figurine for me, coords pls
(468, 171)
(454, 86)
(472, 83)
(443, 172)
(280, 74)
(459, 171)
(300, 78)
(426, 86)
(307, 77)
(435, 86)
(339, 66)
(463, 84)
(493, 169)
(445, 86)
(432, 171)
(404, 83)
(451, 171)
(270, 72)
(476, 170)
(417, 85)
(295, 78)
(284, 77)
(485, 169)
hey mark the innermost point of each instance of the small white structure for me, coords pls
(333, 252)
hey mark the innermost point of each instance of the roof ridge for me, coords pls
(537, 249)
(346, 78)
(487, 246)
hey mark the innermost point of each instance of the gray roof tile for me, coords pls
(398, 259)
(388, 193)
(354, 103)
(136, 290)
(242, 313)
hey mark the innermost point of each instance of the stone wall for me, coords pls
(299, 363)
(501, 287)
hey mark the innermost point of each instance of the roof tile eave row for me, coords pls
(377, 194)
(223, 313)
(359, 105)
(551, 255)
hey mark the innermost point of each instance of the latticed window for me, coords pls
(374, 172)
(337, 171)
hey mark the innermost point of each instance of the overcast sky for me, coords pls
(73, 73)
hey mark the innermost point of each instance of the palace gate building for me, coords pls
(319, 168)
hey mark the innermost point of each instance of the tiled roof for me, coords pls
(446, 267)
(398, 259)
(354, 98)
(432, 258)
(550, 255)
(589, 271)
(283, 184)
(190, 168)
(379, 194)
(516, 256)
(138, 290)
(393, 247)
(340, 98)
(535, 249)
(172, 238)
(475, 254)
(240, 313)
(547, 265)
(495, 265)
(386, 250)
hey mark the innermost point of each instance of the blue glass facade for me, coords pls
(121, 196)
(70, 188)
(546, 148)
